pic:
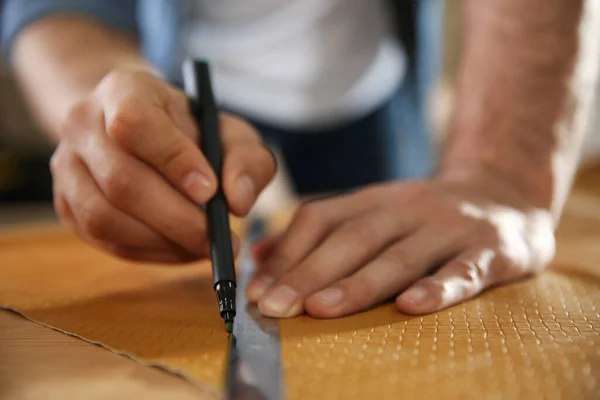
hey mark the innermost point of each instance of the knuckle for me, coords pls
(510, 271)
(283, 259)
(470, 271)
(242, 128)
(76, 120)
(60, 161)
(174, 155)
(360, 234)
(374, 193)
(60, 207)
(310, 213)
(179, 97)
(318, 275)
(116, 79)
(505, 269)
(56, 160)
(116, 186)
(397, 257)
(126, 121)
(94, 217)
(268, 160)
(485, 232)
(415, 193)
(360, 291)
(255, 159)
(436, 291)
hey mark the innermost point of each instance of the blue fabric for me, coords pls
(384, 146)
(163, 26)
(395, 137)
(17, 14)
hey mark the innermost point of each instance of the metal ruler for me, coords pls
(254, 366)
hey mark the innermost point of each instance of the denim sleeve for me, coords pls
(18, 14)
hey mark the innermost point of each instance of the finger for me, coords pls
(135, 188)
(98, 218)
(263, 249)
(156, 257)
(151, 257)
(63, 209)
(309, 227)
(61, 206)
(67, 218)
(247, 170)
(178, 109)
(149, 133)
(350, 246)
(64, 212)
(460, 279)
(248, 167)
(235, 132)
(393, 270)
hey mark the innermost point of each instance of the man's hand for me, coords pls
(430, 243)
(128, 172)
(489, 216)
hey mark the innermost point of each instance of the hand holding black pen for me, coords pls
(203, 107)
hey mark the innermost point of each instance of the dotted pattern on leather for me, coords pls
(537, 339)
(534, 340)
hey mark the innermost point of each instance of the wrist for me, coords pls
(522, 188)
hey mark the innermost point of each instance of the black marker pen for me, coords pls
(198, 86)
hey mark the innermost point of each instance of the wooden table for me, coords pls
(39, 363)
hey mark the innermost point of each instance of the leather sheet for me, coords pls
(536, 339)
(162, 316)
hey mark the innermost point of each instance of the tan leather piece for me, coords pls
(536, 339)
(164, 316)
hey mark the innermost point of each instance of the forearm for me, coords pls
(59, 60)
(523, 97)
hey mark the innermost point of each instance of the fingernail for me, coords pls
(197, 186)
(279, 302)
(416, 295)
(258, 287)
(245, 189)
(329, 297)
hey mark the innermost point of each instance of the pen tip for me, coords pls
(229, 326)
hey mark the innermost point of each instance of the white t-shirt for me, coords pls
(298, 63)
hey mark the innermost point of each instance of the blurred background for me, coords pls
(25, 182)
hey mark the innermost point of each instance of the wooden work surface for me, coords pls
(39, 363)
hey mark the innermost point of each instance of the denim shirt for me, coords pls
(161, 26)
